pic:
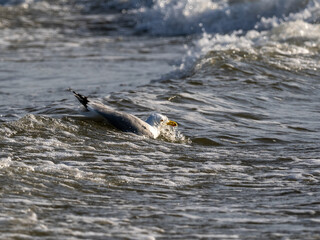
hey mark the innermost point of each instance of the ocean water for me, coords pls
(241, 78)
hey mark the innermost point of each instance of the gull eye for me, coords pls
(161, 120)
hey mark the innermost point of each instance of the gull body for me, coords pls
(124, 121)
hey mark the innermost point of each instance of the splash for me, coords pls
(172, 134)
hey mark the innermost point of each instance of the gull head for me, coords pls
(156, 120)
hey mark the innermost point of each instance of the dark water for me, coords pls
(240, 77)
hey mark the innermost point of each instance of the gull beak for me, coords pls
(172, 123)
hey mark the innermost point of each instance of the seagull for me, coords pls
(124, 121)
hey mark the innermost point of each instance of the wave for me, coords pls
(290, 45)
(185, 17)
(172, 17)
(290, 42)
(245, 28)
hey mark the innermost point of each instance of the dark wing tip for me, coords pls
(82, 99)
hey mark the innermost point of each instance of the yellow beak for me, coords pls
(172, 123)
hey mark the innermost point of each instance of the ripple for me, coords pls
(206, 142)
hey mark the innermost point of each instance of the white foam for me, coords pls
(15, 165)
(296, 30)
(255, 27)
(172, 17)
(5, 162)
(175, 17)
(286, 39)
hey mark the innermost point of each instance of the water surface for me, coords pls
(240, 77)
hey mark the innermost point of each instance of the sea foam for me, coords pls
(187, 17)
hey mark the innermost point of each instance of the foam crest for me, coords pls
(248, 29)
(285, 41)
(186, 17)
(175, 17)
(298, 31)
